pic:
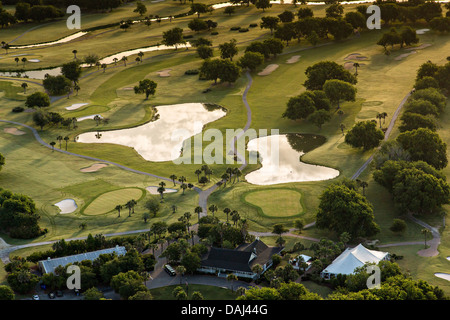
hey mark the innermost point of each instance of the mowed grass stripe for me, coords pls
(276, 203)
(108, 201)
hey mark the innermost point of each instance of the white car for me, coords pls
(35, 297)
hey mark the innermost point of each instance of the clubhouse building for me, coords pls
(239, 261)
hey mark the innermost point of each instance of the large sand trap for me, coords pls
(403, 56)
(268, 70)
(164, 73)
(67, 206)
(128, 88)
(34, 60)
(445, 276)
(14, 131)
(293, 59)
(76, 106)
(94, 168)
(154, 190)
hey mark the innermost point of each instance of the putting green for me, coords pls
(108, 201)
(278, 203)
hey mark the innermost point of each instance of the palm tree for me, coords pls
(232, 277)
(17, 61)
(66, 139)
(257, 269)
(425, 232)
(59, 138)
(138, 59)
(75, 54)
(225, 179)
(24, 86)
(181, 270)
(183, 186)
(124, 59)
(213, 208)
(182, 179)
(104, 66)
(227, 212)
(129, 205)
(364, 185)
(384, 115)
(161, 191)
(140, 54)
(379, 116)
(162, 184)
(174, 208)
(24, 60)
(173, 177)
(198, 210)
(356, 65)
(187, 216)
(235, 216)
(76, 87)
(198, 172)
(115, 61)
(342, 126)
(340, 113)
(53, 145)
(118, 208)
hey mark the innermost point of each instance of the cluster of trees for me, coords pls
(312, 28)
(198, 25)
(18, 215)
(37, 12)
(64, 83)
(406, 37)
(410, 11)
(6, 19)
(343, 209)
(410, 167)
(327, 84)
(42, 118)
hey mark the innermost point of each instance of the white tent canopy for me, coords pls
(353, 258)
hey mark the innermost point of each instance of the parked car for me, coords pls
(59, 293)
(51, 295)
(35, 297)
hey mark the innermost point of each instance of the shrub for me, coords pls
(189, 36)
(192, 72)
(243, 30)
(253, 25)
(18, 109)
(214, 33)
(235, 28)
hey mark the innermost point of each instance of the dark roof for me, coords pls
(239, 259)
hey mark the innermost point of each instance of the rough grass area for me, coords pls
(276, 202)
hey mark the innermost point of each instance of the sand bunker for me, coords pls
(268, 70)
(154, 190)
(67, 206)
(403, 56)
(445, 276)
(128, 89)
(355, 56)
(94, 168)
(14, 131)
(76, 106)
(422, 31)
(164, 73)
(34, 60)
(293, 59)
(92, 116)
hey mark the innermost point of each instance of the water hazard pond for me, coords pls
(161, 140)
(288, 167)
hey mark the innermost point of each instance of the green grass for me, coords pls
(276, 202)
(208, 292)
(49, 177)
(106, 202)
